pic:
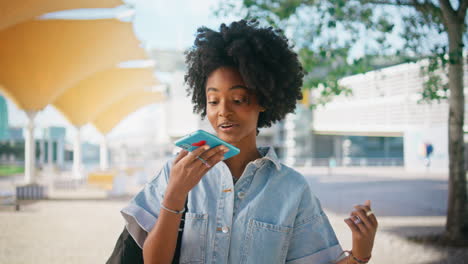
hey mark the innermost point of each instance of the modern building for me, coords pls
(385, 120)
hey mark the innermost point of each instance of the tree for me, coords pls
(327, 33)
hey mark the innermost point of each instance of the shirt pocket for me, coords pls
(194, 238)
(265, 243)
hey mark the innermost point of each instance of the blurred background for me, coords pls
(92, 97)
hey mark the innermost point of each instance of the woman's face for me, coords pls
(231, 109)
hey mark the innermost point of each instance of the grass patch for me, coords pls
(7, 170)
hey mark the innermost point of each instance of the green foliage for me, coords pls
(10, 170)
(435, 88)
(325, 34)
(12, 148)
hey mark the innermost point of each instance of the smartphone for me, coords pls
(200, 137)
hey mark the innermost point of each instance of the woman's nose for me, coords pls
(224, 109)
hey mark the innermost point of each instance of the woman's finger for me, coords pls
(352, 226)
(180, 156)
(359, 223)
(205, 159)
(371, 217)
(367, 203)
(364, 207)
(208, 161)
(214, 151)
(364, 219)
(367, 208)
(217, 157)
(193, 156)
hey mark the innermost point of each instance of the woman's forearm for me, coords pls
(160, 244)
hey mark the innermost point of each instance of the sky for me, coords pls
(172, 24)
(157, 24)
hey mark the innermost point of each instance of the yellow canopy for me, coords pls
(83, 102)
(40, 59)
(109, 118)
(16, 11)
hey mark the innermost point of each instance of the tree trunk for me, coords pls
(457, 217)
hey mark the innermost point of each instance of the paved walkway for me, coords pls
(84, 230)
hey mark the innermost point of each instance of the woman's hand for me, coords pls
(187, 170)
(363, 225)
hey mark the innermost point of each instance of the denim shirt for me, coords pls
(268, 216)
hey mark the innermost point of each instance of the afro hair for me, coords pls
(263, 57)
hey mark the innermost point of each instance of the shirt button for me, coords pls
(225, 229)
(241, 195)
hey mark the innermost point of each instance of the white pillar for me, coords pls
(42, 151)
(104, 157)
(50, 151)
(29, 155)
(123, 157)
(338, 148)
(77, 155)
(60, 150)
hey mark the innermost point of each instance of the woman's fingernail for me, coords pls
(223, 148)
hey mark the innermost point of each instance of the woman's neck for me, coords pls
(238, 163)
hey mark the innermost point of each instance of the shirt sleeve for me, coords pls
(313, 240)
(142, 212)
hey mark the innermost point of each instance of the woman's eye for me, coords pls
(212, 102)
(239, 101)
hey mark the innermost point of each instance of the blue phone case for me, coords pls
(199, 138)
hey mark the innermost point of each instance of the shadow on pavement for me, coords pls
(443, 254)
(450, 257)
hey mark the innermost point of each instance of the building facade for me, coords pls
(386, 104)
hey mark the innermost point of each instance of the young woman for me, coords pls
(249, 208)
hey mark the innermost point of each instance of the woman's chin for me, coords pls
(236, 138)
(229, 138)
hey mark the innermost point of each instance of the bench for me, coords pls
(8, 198)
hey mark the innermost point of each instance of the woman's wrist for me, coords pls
(174, 202)
(352, 259)
(359, 259)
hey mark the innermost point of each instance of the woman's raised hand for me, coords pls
(188, 169)
(363, 225)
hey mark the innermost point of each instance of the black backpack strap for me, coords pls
(127, 251)
(176, 258)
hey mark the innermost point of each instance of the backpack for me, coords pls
(127, 251)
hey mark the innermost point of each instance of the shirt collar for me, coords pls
(269, 153)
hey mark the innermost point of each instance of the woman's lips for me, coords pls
(228, 128)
